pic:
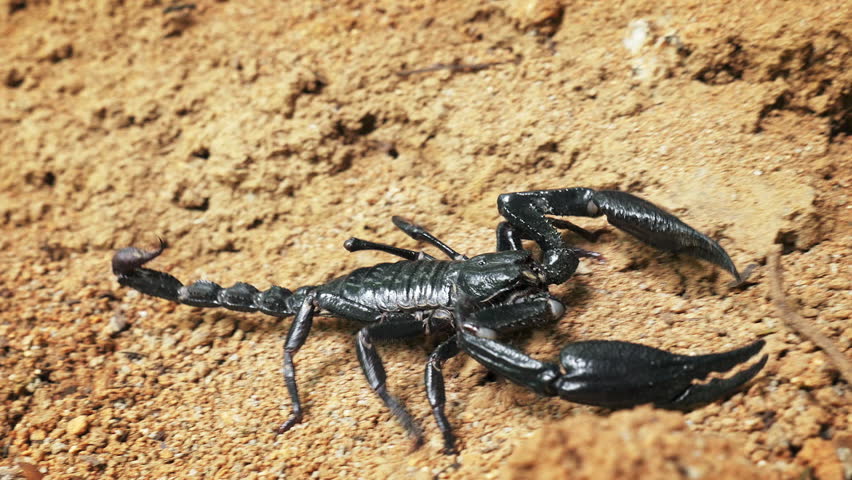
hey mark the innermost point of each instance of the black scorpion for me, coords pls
(472, 300)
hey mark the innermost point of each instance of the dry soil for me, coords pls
(257, 136)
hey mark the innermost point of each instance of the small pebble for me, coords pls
(680, 306)
(78, 426)
(117, 324)
(201, 336)
(58, 447)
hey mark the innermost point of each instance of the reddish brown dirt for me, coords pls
(256, 137)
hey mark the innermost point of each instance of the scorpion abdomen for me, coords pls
(396, 287)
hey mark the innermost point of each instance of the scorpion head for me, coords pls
(500, 276)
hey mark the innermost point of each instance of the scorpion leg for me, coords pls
(413, 230)
(374, 370)
(390, 326)
(525, 211)
(127, 266)
(490, 321)
(615, 374)
(509, 237)
(566, 225)
(356, 244)
(435, 390)
(296, 337)
(419, 233)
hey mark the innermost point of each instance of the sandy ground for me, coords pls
(257, 136)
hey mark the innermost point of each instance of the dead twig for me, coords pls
(455, 67)
(799, 324)
(179, 7)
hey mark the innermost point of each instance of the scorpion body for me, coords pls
(472, 300)
(395, 300)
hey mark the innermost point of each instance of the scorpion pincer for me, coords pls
(471, 301)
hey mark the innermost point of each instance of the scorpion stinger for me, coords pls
(612, 374)
(525, 218)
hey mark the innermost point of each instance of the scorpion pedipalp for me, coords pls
(613, 374)
(525, 214)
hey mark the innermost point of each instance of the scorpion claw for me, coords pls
(526, 213)
(702, 394)
(617, 374)
(660, 229)
(613, 374)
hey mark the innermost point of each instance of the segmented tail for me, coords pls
(242, 297)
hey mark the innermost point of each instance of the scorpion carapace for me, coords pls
(472, 300)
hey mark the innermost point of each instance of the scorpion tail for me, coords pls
(242, 297)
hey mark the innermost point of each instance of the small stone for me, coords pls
(117, 324)
(201, 336)
(679, 306)
(638, 33)
(78, 426)
(541, 14)
(37, 435)
(814, 296)
(58, 447)
(223, 328)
